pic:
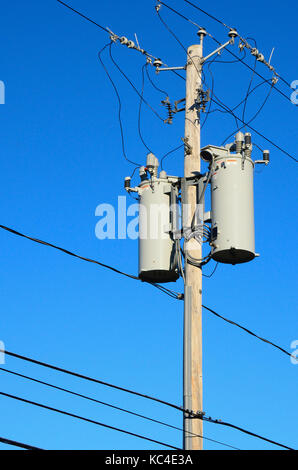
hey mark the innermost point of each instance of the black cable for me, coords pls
(253, 118)
(249, 332)
(211, 93)
(119, 105)
(223, 423)
(191, 414)
(88, 420)
(91, 379)
(32, 379)
(140, 110)
(232, 61)
(185, 50)
(18, 444)
(167, 291)
(168, 153)
(241, 102)
(250, 82)
(228, 27)
(211, 274)
(172, 33)
(208, 14)
(133, 86)
(85, 17)
(154, 85)
(219, 44)
(224, 106)
(190, 21)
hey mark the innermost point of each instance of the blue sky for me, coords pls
(61, 156)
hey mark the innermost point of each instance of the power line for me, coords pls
(85, 17)
(167, 291)
(193, 415)
(229, 425)
(110, 405)
(228, 27)
(92, 379)
(249, 332)
(222, 105)
(227, 49)
(192, 22)
(9, 442)
(88, 420)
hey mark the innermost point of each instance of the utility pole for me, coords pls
(192, 363)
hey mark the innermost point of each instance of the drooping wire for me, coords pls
(249, 332)
(9, 442)
(165, 290)
(212, 89)
(242, 101)
(140, 110)
(224, 106)
(133, 86)
(109, 405)
(119, 105)
(254, 116)
(88, 420)
(212, 272)
(169, 153)
(154, 85)
(250, 82)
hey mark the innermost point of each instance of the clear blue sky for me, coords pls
(61, 156)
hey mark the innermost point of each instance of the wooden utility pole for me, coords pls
(193, 390)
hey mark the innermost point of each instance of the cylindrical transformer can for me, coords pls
(233, 233)
(158, 258)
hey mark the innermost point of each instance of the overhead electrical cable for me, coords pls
(169, 153)
(192, 414)
(83, 16)
(167, 291)
(249, 332)
(88, 420)
(242, 39)
(91, 379)
(227, 49)
(9, 442)
(56, 387)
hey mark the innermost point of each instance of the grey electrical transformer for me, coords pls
(158, 256)
(232, 201)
